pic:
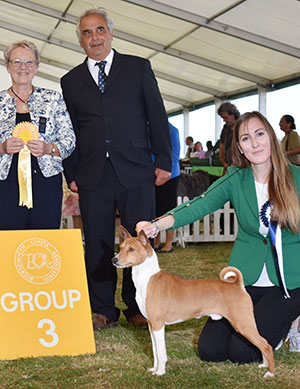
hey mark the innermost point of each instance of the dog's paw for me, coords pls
(159, 372)
(156, 371)
(269, 374)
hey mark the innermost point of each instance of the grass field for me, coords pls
(124, 354)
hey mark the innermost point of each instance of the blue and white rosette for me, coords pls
(276, 243)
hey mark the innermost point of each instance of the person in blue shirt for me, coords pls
(166, 195)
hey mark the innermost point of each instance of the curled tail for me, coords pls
(232, 275)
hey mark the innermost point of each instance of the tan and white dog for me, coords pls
(164, 298)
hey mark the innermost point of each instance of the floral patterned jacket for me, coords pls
(49, 113)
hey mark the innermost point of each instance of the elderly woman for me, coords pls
(291, 142)
(36, 134)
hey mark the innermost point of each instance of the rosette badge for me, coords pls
(25, 131)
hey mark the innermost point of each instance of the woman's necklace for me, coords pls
(25, 103)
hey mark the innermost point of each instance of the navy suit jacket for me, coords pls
(128, 121)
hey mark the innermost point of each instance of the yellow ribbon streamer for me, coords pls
(25, 131)
(24, 178)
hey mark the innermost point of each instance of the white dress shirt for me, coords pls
(94, 70)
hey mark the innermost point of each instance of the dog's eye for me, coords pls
(130, 249)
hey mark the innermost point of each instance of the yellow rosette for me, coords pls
(25, 131)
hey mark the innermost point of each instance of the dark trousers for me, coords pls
(166, 196)
(47, 201)
(98, 210)
(273, 314)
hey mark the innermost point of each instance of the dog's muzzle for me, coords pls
(115, 262)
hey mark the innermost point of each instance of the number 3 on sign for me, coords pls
(49, 332)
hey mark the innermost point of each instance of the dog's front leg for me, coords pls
(154, 350)
(159, 351)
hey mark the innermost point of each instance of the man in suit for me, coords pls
(120, 121)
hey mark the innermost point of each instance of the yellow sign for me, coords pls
(44, 303)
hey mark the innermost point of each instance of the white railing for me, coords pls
(207, 229)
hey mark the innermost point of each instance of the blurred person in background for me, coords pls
(166, 195)
(291, 141)
(199, 152)
(189, 141)
(229, 113)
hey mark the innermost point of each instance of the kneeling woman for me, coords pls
(261, 186)
(35, 135)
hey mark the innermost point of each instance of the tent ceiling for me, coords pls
(200, 50)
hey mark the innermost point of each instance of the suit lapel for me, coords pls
(117, 64)
(115, 69)
(87, 77)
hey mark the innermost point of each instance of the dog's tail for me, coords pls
(232, 275)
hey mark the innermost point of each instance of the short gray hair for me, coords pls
(26, 45)
(97, 11)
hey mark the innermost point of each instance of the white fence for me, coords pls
(208, 229)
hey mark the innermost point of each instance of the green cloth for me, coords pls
(251, 249)
(206, 161)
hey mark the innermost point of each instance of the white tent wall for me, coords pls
(201, 51)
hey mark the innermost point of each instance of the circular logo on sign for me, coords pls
(37, 261)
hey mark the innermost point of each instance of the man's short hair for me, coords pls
(98, 11)
(229, 108)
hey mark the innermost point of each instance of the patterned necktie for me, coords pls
(101, 75)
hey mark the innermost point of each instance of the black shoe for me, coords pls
(166, 251)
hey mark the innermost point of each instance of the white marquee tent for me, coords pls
(201, 51)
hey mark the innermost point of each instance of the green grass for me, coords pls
(124, 354)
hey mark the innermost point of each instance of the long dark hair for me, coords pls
(280, 182)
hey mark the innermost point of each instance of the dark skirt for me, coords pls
(47, 200)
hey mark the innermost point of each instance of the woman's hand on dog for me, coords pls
(152, 228)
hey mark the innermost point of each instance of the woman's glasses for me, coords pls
(17, 63)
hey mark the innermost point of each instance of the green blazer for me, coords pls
(251, 249)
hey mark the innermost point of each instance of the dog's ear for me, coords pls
(143, 238)
(123, 233)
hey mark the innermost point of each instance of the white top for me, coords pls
(262, 195)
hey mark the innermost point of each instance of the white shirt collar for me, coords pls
(94, 70)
